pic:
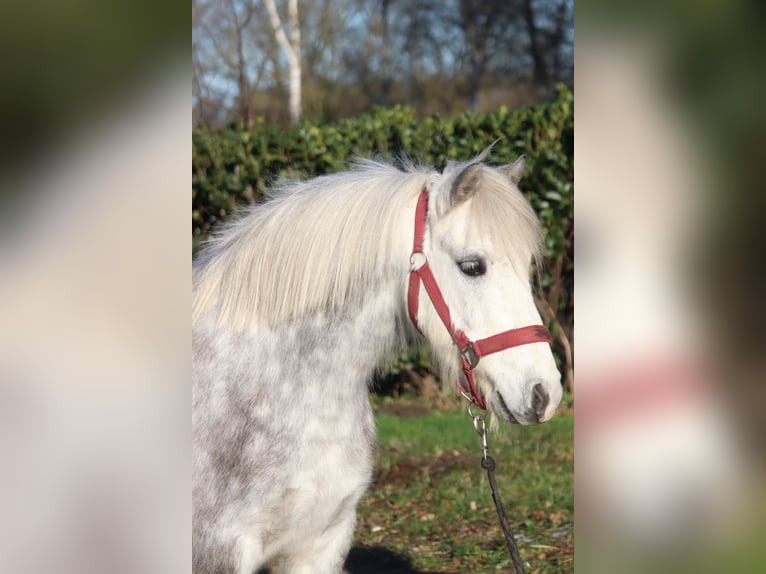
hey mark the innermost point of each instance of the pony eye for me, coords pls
(472, 267)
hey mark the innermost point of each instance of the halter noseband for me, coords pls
(470, 351)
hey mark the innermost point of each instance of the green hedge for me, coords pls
(234, 166)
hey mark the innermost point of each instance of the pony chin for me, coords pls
(525, 401)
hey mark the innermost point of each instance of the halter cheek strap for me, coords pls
(470, 351)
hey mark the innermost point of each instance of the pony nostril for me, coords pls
(539, 400)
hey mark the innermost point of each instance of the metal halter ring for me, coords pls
(417, 260)
(474, 416)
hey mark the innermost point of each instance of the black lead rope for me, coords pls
(488, 464)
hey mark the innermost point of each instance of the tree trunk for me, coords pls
(541, 77)
(244, 87)
(295, 88)
(475, 24)
(296, 97)
(240, 24)
(385, 79)
(198, 91)
(558, 39)
(477, 71)
(292, 49)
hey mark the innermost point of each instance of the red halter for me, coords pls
(470, 351)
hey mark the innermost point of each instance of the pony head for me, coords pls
(482, 236)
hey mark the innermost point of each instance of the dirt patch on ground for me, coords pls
(403, 410)
(407, 470)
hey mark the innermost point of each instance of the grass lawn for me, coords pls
(430, 509)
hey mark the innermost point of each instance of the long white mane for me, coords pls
(320, 244)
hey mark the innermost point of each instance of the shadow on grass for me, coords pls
(379, 560)
(374, 560)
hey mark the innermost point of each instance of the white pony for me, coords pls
(294, 307)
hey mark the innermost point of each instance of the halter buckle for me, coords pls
(470, 355)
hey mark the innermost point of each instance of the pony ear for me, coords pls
(515, 170)
(465, 184)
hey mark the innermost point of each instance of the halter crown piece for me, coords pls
(470, 351)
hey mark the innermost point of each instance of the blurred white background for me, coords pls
(669, 394)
